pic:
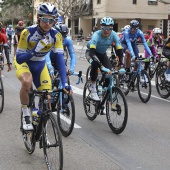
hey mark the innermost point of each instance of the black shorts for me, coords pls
(9, 37)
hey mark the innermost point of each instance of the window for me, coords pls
(152, 2)
(134, 1)
(98, 1)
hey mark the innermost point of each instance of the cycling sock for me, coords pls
(25, 110)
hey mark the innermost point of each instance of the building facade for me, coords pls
(150, 14)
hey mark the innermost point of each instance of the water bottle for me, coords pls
(34, 116)
(100, 90)
(152, 66)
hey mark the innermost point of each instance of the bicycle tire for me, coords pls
(122, 84)
(88, 73)
(144, 81)
(1, 95)
(87, 103)
(117, 110)
(161, 84)
(48, 145)
(66, 119)
(28, 138)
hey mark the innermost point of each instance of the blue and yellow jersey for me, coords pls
(31, 35)
(101, 44)
(35, 61)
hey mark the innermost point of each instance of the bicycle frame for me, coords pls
(110, 87)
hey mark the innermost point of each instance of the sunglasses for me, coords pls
(133, 28)
(106, 28)
(45, 20)
(157, 34)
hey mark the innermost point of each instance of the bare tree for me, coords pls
(74, 9)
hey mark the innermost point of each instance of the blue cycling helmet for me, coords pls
(10, 26)
(134, 24)
(62, 28)
(47, 9)
(107, 21)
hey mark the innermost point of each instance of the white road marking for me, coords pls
(68, 120)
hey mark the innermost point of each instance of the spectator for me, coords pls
(81, 32)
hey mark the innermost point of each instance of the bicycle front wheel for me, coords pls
(1, 95)
(28, 137)
(90, 106)
(144, 86)
(52, 143)
(162, 84)
(117, 111)
(66, 117)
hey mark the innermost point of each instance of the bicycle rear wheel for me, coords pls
(117, 112)
(162, 85)
(52, 143)
(28, 138)
(144, 86)
(90, 106)
(66, 118)
(1, 95)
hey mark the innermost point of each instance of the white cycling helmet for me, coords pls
(47, 9)
(126, 27)
(157, 31)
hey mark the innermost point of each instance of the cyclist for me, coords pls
(4, 46)
(96, 54)
(3, 30)
(35, 42)
(19, 28)
(166, 53)
(153, 42)
(129, 43)
(67, 44)
(9, 33)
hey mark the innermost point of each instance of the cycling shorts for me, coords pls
(40, 74)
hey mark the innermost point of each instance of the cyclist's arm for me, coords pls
(144, 43)
(22, 55)
(119, 48)
(48, 61)
(70, 48)
(92, 46)
(59, 58)
(126, 36)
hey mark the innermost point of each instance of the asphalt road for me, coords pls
(144, 144)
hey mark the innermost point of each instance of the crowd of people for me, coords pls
(43, 44)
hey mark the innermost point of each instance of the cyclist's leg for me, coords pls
(93, 75)
(41, 77)
(146, 63)
(106, 63)
(15, 46)
(24, 75)
(127, 58)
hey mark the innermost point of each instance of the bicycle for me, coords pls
(155, 67)
(64, 104)
(162, 85)
(46, 131)
(114, 100)
(140, 78)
